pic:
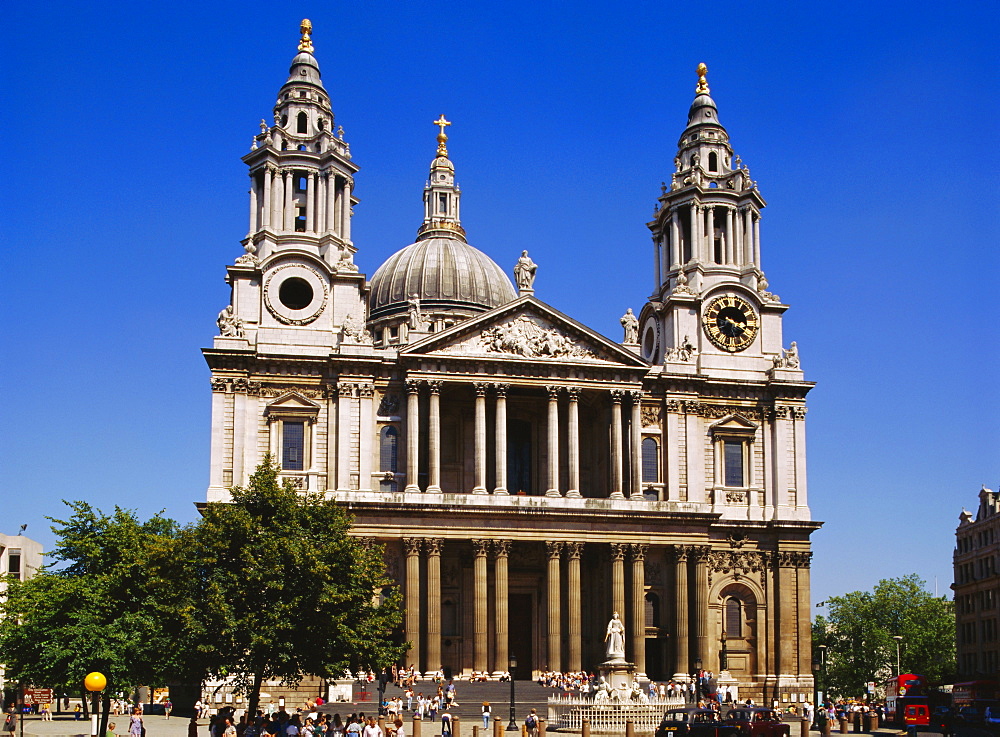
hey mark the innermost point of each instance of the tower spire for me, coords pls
(441, 194)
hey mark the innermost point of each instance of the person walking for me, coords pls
(135, 727)
(486, 715)
(168, 706)
(531, 724)
(10, 722)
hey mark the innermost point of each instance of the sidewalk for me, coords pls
(67, 726)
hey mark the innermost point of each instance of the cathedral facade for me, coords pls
(526, 475)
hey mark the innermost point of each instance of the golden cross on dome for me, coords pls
(702, 88)
(305, 28)
(442, 138)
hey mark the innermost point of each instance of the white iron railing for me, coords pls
(569, 711)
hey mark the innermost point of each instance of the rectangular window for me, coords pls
(14, 563)
(442, 203)
(733, 462)
(293, 437)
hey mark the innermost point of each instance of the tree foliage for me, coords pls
(270, 586)
(93, 607)
(282, 590)
(858, 635)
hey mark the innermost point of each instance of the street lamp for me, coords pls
(95, 682)
(723, 654)
(822, 668)
(512, 666)
(697, 680)
(898, 639)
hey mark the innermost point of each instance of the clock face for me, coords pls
(730, 323)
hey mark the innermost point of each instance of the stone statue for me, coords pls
(614, 639)
(345, 263)
(355, 332)
(230, 326)
(524, 271)
(415, 318)
(631, 324)
(686, 349)
(788, 358)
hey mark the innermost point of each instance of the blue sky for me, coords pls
(870, 129)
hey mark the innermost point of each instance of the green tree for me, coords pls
(93, 607)
(282, 590)
(858, 635)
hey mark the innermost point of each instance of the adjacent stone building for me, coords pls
(977, 604)
(526, 475)
(20, 557)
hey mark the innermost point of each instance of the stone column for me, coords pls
(710, 233)
(336, 209)
(265, 215)
(412, 602)
(676, 247)
(635, 490)
(739, 247)
(784, 588)
(501, 549)
(310, 199)
(573, 552)
(701, 553)
(434, 439)
(695, 239)
(639, 608)
(730, 240)
(346, 219)
(554, 551)
(289, 218)
(321, 203)
(657, 260)
(412, 434)
(479, 585)
(253, 204)
(345, 396)
(553, 448)
(748, 234)
(278, 201)
(616, 444)
(573, 442)
(682, 612)
(501, 453)
(367, 432)
(756, 241)
(618, 577)
(433, 603)
(802, 561)
(480, 459)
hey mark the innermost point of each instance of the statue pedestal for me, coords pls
(727, 686)
(618, 674)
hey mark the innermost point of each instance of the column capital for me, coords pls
(434, 385)
(413, 386)
(701, 553)
(616, 395)
(345, 389)
(573, 392)
(481, 547)
(635, 395)
(574, 550)
(366, 390)
(481, 387)
(680, 553)
(434, 545)
(553, 549)
(501, 548)
(638, 551)
(618, 551)
(553, 391)
(412, 545)
(501, 389)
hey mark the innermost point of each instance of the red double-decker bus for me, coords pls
(906, 700)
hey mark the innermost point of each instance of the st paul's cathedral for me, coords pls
(526, 475)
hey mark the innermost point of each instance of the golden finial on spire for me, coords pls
(702, 88)
(305, 28)
(442, 138)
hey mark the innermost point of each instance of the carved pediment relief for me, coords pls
(291, 403)
(525, 329)
(733, 423)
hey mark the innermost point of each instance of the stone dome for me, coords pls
(443, 272)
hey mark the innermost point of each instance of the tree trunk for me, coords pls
(254, 696)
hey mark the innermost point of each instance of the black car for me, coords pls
(693, 721)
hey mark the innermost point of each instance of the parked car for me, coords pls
(992, 716)
(969, 715)
(941, 718)
(753, 721)
(693, 721)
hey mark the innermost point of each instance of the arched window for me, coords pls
(302, 124)
(713, 161)
(734, 617)
(650, 461)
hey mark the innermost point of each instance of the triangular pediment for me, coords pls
(734, 422)
(525, 330)
(291, 402)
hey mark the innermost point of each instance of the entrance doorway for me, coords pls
(519, 458)
(521, 634)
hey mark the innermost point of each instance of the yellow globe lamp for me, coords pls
(95, 681)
